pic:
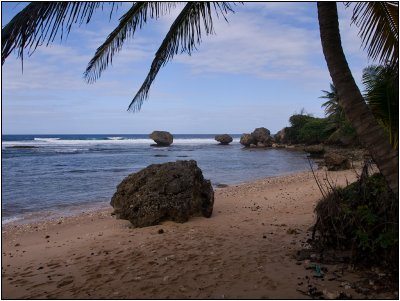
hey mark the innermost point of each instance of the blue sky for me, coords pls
(257, 70)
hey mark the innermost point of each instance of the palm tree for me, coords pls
(338, 125)
(378, 22)
(382, 96)
(332, 105)
(368, 130)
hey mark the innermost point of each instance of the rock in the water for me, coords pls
(280, 137)
(315, 150)
(247, 139)
(162, 138)
(224, 139)
(170, 191)
(335, 161)
(262, 135)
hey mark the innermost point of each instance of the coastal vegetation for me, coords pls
(306, 129)
(361, 217)
(382, 96)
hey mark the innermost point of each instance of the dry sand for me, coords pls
(245, 250)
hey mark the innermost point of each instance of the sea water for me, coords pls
(60, 174)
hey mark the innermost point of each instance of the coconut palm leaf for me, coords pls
(39, 22)
(382, 95)
(332, 106)
(183, 36)
(379, 30)
(134, 18)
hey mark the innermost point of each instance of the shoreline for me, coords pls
(74, 210)
(53, 214)
(247, 249)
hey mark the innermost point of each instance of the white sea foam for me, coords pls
(6, 220)
(109, 141)
(46, 139)
(70, 150)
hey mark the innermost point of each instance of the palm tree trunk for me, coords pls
(371, 135)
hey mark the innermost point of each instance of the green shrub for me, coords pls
(362, 217)
(311, 130)
(314, 131)
(307, 129)
(297, 122)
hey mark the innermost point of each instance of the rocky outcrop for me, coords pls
(247, 139)
(224, 139)
(280, 137)
(335, 161)
(260, 137)
(316, 150)
(162, 138)
(170, 191)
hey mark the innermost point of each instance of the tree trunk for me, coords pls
(369, 132)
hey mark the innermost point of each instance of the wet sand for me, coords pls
(245, 250)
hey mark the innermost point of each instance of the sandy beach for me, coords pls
(247, 249)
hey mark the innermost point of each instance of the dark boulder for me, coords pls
(280, 137)
(316, 150)
(262, 135)
(247, 139)
(162, 138)
(224, 139)
(170, 191)
(335, 161)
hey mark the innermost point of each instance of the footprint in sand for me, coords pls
(19, 282)
(65, 281)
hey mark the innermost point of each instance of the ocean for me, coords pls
(58, 175)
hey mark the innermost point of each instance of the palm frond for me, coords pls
(379, 30)
(134, 18)
(382, 95)
(183, 36)
(332, 105)
(39, 22)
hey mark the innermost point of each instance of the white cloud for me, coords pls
(252, 44)
(284, 11)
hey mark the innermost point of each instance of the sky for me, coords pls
(259, 68)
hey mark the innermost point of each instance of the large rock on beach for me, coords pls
(162, 138)
(224, 139)
(315, 150)
(247, 139)
(262, 135)
(335, 161)
(171, 191)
